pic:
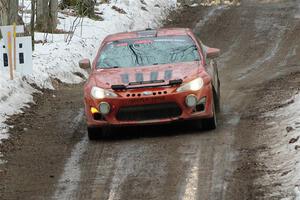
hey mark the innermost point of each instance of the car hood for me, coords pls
(124, 76)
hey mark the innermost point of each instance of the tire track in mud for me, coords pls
(271, 32)
(133, 167)
(206, 168)
(68, 182)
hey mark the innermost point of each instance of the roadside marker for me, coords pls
(15, 46)
(9, 46)
(15, 52)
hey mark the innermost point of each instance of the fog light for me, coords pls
(104, 108)
(191, 100)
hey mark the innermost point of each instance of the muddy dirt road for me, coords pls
(50, 157)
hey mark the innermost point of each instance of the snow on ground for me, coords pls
(57, 59)
(283, 157)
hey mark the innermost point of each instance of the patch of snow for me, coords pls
(284, 142)
(291, 53)
(14, 95)
(234, 120)
(192, 180)
(297, 193)
(297, 14)
(194, 5)
(69, 181)
(57, 59)
(215, 2)
(2, 161)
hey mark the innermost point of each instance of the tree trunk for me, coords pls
(33, 6)
(52, 20)
(46, 15)
(13, 11)
(8, 11)
(42, 13)
(3, 13)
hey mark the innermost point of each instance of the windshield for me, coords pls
(148, 51)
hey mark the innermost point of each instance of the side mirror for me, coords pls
(85, 64)
(212, 53)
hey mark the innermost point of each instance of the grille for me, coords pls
(151, 94)
(149, 112)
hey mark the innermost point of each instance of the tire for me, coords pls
(217, 102)
(95, 133)
(210, 123)
(218, 106)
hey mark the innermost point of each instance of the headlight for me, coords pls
(194, 85)
(99, 93)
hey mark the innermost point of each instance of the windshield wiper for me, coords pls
(110, 67)
(134, 53)
(187, 48)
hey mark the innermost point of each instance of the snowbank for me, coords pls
(283, 157)
(58, 60)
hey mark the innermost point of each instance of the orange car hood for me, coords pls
(123, 76)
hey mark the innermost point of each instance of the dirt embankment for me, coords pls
(35, 152)
(267, 163)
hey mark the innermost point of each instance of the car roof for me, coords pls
(148, 33)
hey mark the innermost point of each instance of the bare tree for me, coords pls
(32, 23)
(8, 11)
(46, 15)
(52, 20)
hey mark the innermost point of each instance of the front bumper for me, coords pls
(133, 108)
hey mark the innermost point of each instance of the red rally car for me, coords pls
(151, 77)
